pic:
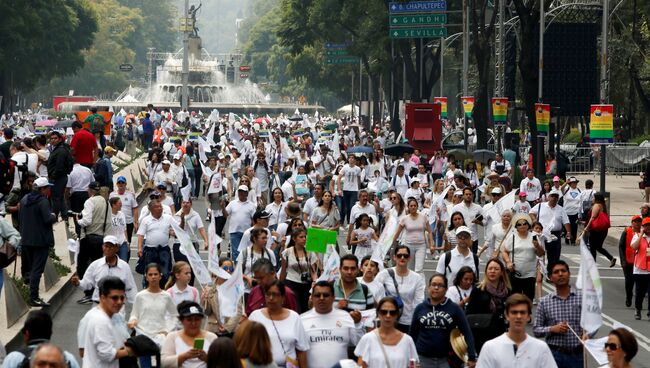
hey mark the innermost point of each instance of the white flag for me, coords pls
(505, 203)
(213, 249)
(230, 292)
(200, 271)
(385, 240)
(332, 265)
(592, 291)
(210, 137)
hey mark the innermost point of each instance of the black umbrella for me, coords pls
(459, 154)
(295, 117)
(483, 155)
(398, 149)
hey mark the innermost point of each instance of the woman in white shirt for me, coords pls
(520, 251)
(437, 214)
(417, 235)
(289, 340)
(493, 245)
(276, 209)
(463, 284)
(403, 284)
(326, 215)
(370, 270)
(386, 346)
(299, 268)
(337, 189)
(179, 349)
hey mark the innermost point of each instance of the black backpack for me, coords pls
(7, 172)
(27, 352)
(448, 260)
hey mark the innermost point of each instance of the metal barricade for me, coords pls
(620, 160)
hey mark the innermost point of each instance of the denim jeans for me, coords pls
(567, 360)
(437, 235)
(160, 255)
(123, 252)
(235, 239)
(349, 199)
(339, 204)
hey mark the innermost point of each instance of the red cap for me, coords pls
(636, 217)
(646, 221)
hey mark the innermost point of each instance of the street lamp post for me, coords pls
(186, 58)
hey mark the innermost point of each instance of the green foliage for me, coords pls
(573, 137)
(23, 288)
(640, 139)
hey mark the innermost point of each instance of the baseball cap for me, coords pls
(495, 190)
(458, 193)
(111, 239)
(166, 162)
(154, 194)
(415, 179)
(463, 229)
(261, 215)
(646, 221)
(121, 179)
(94, 185)
(177, 156)
(556, 178)
(554, 192)
(109, 149)
(522, 194)
(161, 185)
(190, 309)
(243, 188)
(636, 218)
(41, 183)
(573, 179)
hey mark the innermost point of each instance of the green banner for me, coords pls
(425, 32)
(337, 52)
(317, 239)
(342, 60)
(417, 19)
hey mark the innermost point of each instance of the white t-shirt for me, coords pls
(532, 188)
(350, 177)
(375, 287)
(286, 336)
(241, 214)
(128, 204)
(249, 257)
(552, 218)
(20, 158)
(155, 231)
(329, 336)
(524, 257)
(310, 204)
(457, 261)
(42, 169)
(572, 201)
(469, 214)
(119, 227)
(411, 290)
(193, 223)
(500, 353)
(102, 341)
(456, 293)
(369, 349)
(278, 215)
(247, 242)
(79, 179)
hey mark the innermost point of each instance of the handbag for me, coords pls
(641, 185)
(479, 321)
(8, 254)
(601, 222)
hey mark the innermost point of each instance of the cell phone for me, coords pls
(198, 343)
(479, 217)
(534, 237)
(377, 323)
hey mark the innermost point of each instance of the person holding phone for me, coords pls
(187, 347)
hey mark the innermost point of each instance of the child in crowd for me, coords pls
(522, 206)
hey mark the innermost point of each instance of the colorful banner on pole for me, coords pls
(542, 118)
(499, 110)
(442, 101)
(468, 105)
(601, 124)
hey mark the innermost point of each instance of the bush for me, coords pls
(573, 137)
(640, 139)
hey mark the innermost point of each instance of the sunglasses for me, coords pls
(321, 295)
(403, 255)
(117, 297)
(386, 312)
(611, 346)
(393, 197)
(522, 224)
(462, 236)
(228, 268)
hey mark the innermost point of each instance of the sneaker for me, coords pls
(38, 302)
(612, 263)
(637, 314)
(85, 300)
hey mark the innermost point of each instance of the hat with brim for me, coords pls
(493, 175)
(458, 344)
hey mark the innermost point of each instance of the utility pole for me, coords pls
(603, 90)
(442, 66)
(186, 57)
(465, 44)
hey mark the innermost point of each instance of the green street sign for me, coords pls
(417, 19)
(337, 52)
(342, 60)
(425, 32)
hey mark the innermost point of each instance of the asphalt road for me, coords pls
(614, 310)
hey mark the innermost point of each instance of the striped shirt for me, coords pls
(552, 310)
(358, 299)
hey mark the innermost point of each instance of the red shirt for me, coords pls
(256, 300)
(84, 144)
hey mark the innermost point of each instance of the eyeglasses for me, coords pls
(321, 295)
(462, 236)
(388, 312)
(403, 255)
(117, 297)
(393, 198)
(611, 346)
(438, 286)
(521, 224)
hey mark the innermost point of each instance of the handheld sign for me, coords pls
(317, 239)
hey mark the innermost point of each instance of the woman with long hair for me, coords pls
(463, 285)
(546, 189)
(299, 268)
(417, 235)
(597, 228)
(519, 252)
(487, 303)
(255, 251)
(223, 354)
(369, 270)
(254, 345)
(326, 215)
(289, 340)
(437, 215)
(337, 189)
(276, 209)
(386, 346)
(456, 220)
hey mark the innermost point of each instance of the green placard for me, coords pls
(337, 52)
(342, 60)
(317, 239)
(424, 32)
(417, 19)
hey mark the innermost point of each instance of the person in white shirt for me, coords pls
(553, 218)
(153, 240)
(515, 348)
(330, 331)
(190, 221)
(240, 213)
(119, 228)
(459, 256)
(129, 206)
(104, 343)
(312, 202)
(401, 181)
(415, 192)
(76, 189)
(501, 166)
(472, 213)
(348, 179)
(572, 205)
(370, 269)
(22, 158)
(166, 176)
(531, 186)
(109, 265)
(276, 209)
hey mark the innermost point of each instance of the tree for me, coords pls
(41, 39)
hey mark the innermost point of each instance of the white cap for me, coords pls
(463, 229)
(166, 162)
(178, 156)
(243, 188)
(111, 239)
(554, 192)
(496, 190)
(458, 193)
(415, 179)
(41, 183)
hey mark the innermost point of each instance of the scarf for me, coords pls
(497, 296)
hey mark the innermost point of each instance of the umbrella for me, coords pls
(459, 154)
(295, 117)
(398, 149)
(360, 149)
(47, 123)
(64, 124)
(483, 155)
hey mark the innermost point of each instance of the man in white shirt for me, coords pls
(516, 348)
(350, 186)
(240, 213)
(459, 256)
(501, 166)
(572, 203)
(331, 331)
(401, 181)
(129, 206)
(153, 240)
(109, 265)
(553, 217)
(104, 344)
(76, 191)
(531, 186)
(472, 213)
(166, 176)
(312, 202)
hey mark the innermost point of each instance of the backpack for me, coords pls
(7, 172)
(448, 260)
(98, 124)
(27, 353)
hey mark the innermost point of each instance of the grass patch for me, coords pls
(23, 288)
